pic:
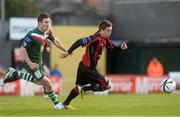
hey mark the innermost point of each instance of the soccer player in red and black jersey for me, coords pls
(87, 72)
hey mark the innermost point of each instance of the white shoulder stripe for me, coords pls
(40, 36)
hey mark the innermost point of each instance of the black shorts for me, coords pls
(86, 75)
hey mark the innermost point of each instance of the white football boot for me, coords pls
(9, 73)
(59, 106)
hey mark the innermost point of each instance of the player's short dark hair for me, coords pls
(42, 16)
(104, 24)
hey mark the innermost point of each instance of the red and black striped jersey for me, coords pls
(94, 45)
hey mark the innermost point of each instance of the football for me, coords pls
(168, 85)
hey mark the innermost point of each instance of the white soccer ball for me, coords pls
(168, 85)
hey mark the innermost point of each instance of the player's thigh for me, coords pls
(37, 74)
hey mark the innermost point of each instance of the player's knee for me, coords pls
(46, 83)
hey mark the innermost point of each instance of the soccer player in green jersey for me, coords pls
(31, 49)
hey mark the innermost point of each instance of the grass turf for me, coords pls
(101, 105)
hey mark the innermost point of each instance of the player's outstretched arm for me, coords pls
(59, 45)
(80, 42)
(74, 46)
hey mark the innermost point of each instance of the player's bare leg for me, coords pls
(47, 75)
(11, 74)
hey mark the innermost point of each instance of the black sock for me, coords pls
(74, 93)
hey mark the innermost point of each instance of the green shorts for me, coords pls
(37, 74)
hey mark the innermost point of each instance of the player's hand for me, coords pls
(33, 66)
(124, 45)
(64, 55)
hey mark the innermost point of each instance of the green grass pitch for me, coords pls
(99, 105)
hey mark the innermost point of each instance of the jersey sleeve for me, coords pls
(27, 41)
(85, 41)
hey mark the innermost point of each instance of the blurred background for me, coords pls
(149, 27)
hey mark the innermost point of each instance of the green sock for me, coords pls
(53, 97)
(23, 75)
